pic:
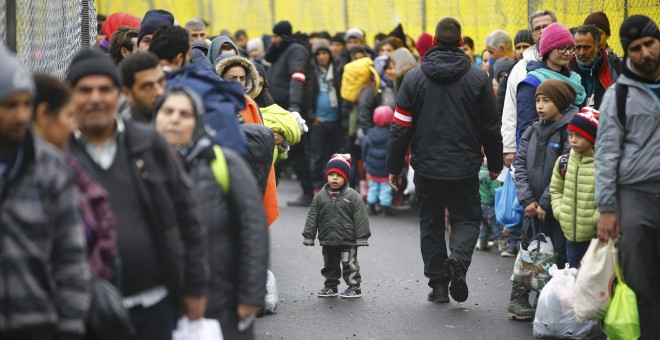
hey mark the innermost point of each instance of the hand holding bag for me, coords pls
(507, 209)
(593, 285)
(622, 318)
(533, 260)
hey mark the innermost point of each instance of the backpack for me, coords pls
(621, 96)
(357, 74)
(220, 169)
(563, 164)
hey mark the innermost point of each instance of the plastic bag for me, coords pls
(508, 212)
(533, 260)
(593, 285)
(201, 329)
(622, 318)
(554, 312)
(270, 306)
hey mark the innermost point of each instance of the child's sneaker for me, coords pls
(502, 245)
(511, 251)
(373, 210)
(351, 292)
(328, 292)
(483, 245)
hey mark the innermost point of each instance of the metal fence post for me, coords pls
(10, 24)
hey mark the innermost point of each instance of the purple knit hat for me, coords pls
(554, 36)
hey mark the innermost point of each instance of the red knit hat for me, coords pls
(554, 36)
(586, 125)
(116, 20)
(339, 163)
(383, 116)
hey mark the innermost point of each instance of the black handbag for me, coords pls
(107, 318)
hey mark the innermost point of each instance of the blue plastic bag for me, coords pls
(508, 211)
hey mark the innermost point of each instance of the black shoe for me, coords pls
(387, 211)
(302, 201)
(457, 287)
(520, 309)
(328, 292)
(439, 295)
(351, 292)
(372, 209)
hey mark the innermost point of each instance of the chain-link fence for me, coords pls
(46, 34)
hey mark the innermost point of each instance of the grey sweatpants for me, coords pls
(639, 253)
(346, 257)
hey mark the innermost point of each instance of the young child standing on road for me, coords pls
(572, 189)
(374, 153)
(540, 146)
(339, 217)
(489, 224)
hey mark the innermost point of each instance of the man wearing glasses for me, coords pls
(592, 62)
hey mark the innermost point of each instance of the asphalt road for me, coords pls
(394, 290)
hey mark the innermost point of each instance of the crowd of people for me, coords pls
(150, 174)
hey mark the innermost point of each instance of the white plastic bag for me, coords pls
(410, 177)
(554, 312)
(202, 329)
(593, 284)
(270, 305)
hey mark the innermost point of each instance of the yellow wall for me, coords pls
(478, 17)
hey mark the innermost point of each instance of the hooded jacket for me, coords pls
(572, 197)
(374, 151)
(237, 239)
(602, 74)
(338, 222)
(225, 62)
(288, 75)
(540, 146)
(216, 44)
(627, 155)
(446, 111)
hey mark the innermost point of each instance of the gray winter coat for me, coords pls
(540, 146)
(339, 222)
(627, 156)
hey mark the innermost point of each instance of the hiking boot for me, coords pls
(302, 201)
(457, 287)
(439, 295)
(502, 245)
(483, 245)
(328, 292)
(351, 292)
(511, 251)
(520, 309)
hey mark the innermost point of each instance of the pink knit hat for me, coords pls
(383, 116)
(554, 36)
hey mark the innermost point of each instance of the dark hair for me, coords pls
(52, 92)
(381, 36)
(169, 41)
(469, 42)
(589, 29)
(448, 32)
(239, 34)
(226, 46)
(359, 49)
(135, 63)
(123, 37)
(392, 41)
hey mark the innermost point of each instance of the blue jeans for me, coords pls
(489, 224)
(575, 251)
(379, 192)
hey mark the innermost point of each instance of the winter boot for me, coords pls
(519, 307)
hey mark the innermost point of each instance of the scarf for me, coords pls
(575, 81)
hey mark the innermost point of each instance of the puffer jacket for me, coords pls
(237, 238)
(572, 196)
(339, 222)
(44, 276)
(374, 151)
(540, 146)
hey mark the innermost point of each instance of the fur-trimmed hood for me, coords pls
(225, 62)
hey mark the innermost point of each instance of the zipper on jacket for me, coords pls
(575, 193)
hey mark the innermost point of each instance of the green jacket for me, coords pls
(339, 222)
(487, 187)
(573, 198)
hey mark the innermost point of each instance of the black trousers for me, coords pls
(346, 257)
(462, 200)
(325, 139)
(639, 254)
(299, 160)
(156, 322)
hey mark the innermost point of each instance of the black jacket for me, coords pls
(446, 111)
(237, 237)
(167, 198)
(287, 88)
(315, 87)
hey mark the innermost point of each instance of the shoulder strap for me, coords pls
(621, 96)
(563, 164)
(220, 169)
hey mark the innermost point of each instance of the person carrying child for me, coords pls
(540, 146)
(374, 153)
(339, 217)
(572, 188)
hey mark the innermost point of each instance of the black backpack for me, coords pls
(621, 96)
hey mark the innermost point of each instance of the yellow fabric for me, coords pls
(220, 169)
(282, 122)
(357, 74)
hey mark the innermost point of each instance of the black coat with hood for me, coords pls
(290, 60)
(446, 111)
(237, 239)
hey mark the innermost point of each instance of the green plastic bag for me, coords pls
(622, 318)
